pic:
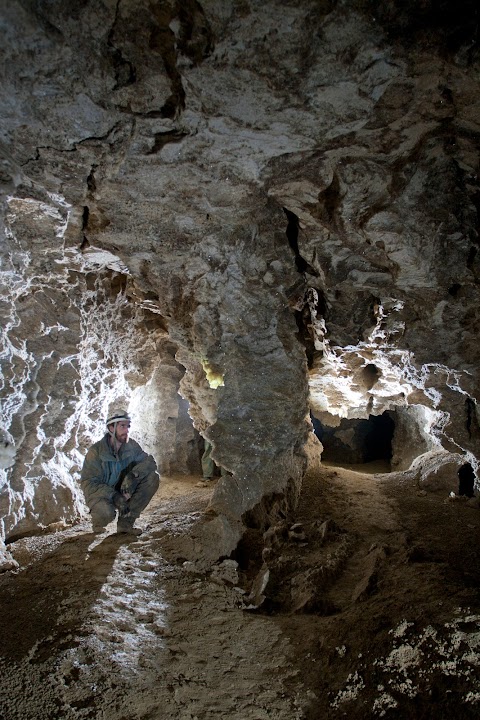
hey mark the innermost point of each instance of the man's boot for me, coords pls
(125, 525)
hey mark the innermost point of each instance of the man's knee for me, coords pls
(146, 489)
(103, 512)
(151, 483)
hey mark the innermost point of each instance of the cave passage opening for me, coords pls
(357, 441)
(466, 480)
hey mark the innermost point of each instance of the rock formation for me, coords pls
(233, 214)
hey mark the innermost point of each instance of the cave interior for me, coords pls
(252, 224)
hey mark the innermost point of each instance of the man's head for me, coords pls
(118, 424)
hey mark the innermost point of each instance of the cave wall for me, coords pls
(290, 192)
(73, 342)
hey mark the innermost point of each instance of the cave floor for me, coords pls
(372, 610)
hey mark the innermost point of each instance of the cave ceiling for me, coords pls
(288, 190)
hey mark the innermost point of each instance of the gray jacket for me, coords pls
(103, 472)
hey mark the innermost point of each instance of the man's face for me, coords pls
(121, 432)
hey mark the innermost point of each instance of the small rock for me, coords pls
(227, 572)
(297, 533)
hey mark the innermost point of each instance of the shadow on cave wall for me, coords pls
(357, 441)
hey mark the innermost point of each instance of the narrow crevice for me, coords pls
(163, 138)
(292, 232)
(85, 216)
(113, 136)
(303, 318)
(329, 200)
(91, 182)
(125, 71)
(471, 415)
(108, 136)
(196, 39)
(163, 41)
(302, 307)
(38, 150)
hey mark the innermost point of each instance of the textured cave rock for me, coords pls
(269, 206)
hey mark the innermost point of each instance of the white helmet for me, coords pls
(118, 416)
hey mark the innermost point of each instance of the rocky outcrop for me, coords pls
(269, 207)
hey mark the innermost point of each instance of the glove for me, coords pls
(120, 504)
(129, 483)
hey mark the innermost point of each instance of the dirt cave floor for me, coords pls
(369, 608)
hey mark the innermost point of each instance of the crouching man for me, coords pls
(118, 476)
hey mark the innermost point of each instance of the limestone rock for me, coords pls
(7, 562)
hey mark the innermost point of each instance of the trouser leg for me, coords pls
(208, 466)
(145, 490)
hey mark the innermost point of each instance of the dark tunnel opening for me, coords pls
(292, 231)
(357, 441)
(466, 480)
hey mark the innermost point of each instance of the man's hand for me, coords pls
(129, 484)
(121, 504)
